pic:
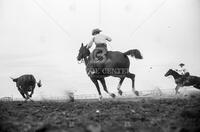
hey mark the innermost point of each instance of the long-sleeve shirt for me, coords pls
(182, 71)
(99, 39)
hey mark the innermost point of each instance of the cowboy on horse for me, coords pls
(183, 71)
(102, 63)
(180, 82)
(100, 41)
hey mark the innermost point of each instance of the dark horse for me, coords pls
(116, 64)
(182, 81)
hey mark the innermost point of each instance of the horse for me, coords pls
(25, 84)
(114, 64)
(182, 81)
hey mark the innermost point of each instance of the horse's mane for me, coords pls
(175, 73)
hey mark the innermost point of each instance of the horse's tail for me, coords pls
(134, 53)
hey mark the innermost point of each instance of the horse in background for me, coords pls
(182, 81)
(25, 84)
(113, 63)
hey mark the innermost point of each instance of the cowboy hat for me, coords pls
(96, 31)
(181, 64)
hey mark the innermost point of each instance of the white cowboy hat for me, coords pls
(95, 31)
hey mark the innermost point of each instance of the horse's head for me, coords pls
(169, 72)
(83, 52)
(173, 73)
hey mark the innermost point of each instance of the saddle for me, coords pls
(99, 54)
(97, 59)
(184, 78)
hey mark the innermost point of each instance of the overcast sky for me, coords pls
(42, 37)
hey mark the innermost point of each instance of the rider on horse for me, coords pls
(100, 41)
(182, 71)
(114, 63)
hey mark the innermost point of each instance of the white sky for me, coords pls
(42, 37)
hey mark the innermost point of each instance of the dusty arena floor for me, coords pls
(119, 115)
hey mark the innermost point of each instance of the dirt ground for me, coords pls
(119, 115)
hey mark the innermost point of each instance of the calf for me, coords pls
(25, 84)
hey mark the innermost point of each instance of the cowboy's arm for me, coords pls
(90, 43)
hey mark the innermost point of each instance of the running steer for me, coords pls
(25, 84)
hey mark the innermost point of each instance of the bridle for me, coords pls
(81, 61)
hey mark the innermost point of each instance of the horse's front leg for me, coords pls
(119, 85)
(177, 88)
(21, 92)
(94, 80)
(27, 95)
(102, 80)
(32, 90)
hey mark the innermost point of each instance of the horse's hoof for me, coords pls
(100, 98)
(112, 95)
(136, 93)
(120, 92)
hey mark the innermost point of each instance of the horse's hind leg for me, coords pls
(102, 80)
(22, 93)
(132, 77)
(97, 86)
(119, 85)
